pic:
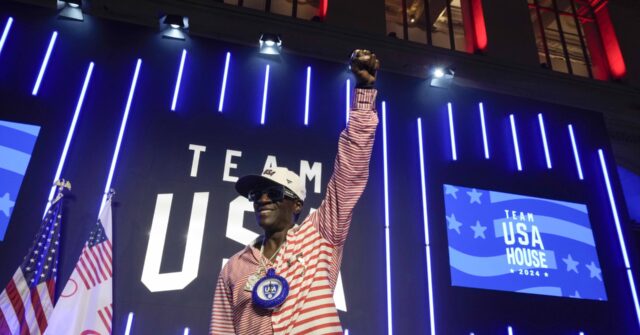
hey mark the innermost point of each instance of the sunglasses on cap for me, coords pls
(275, 193)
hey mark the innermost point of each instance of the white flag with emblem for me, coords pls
(85, 305)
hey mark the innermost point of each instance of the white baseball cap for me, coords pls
(274, 175)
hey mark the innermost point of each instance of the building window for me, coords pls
(567, 37)
(303, 9)
(442, 23)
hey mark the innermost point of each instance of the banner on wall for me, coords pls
(519, 243)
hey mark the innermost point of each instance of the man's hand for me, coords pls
(364, 64)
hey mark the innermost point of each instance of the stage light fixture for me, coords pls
(270, 44)
(440, 77)
(174, 26)
(70, 10)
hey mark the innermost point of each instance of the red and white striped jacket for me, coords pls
(310, 259)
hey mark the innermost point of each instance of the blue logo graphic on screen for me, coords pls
(16, 144)
(517, 243)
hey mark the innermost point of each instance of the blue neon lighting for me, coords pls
(623, 246)
(581, 333)
(123, 126)
(176, 90)
(510, 330)
(348, 99)
(127, 330)
(425, 219)
(70, 132)
(575, 153)
(224, 82)
(386, 217)
(544, 141)
(5, 33)
(516, 148)
(45, 61)
(346, 332)
(264, 94)
(186, 331)
(306, 98)
(452, 134)
(484, 131)
(634, 294)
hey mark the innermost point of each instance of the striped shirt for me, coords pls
(311, 256)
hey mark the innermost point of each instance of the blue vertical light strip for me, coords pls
(575, 153)
(348, 100)
(45, 62)
(127, 329)
(346, 332)
(484, 131)
(306, 98)
(425, 219)
(623, 246)
(70, 132)
(386, 217)
(186, 331)
(176, 90)
(452, 133)
(123, 126)
(5, 33)
(264, 94)
(543, 133)
(514, 134)
(509, 330)
(581, 333)
(223, 90)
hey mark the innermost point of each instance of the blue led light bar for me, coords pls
(510, 330)
(346, 332)
(176, 90)
(224, 82)
(581, 333)
(516, 148)
(45, 61)
(386, 218)
(348, 99)
(452, 134)
(544, 140)
(123, 126)
(186, 331)
(264, 94)
(623, 246)
(70, 132)
(306, 98)
(425, 219)
(575, 153)
(484, 131)
(5, 33)
(127, 330)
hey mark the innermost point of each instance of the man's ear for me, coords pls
(298, 206)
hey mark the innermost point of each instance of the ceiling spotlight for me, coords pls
(441, 77)
(70, 10)
(270, 44)
(174, 26)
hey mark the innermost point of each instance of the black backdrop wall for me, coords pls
(156, 160)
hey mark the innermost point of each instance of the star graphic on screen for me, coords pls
(6, 204)
(511, 270)
(576, 295)
(571, 264)
(475, 196)
(546, 274)
(453, 223)
(453, 191)
(478, 230)
(594, 271)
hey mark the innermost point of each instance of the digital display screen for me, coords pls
(518, 243)
(16, 144)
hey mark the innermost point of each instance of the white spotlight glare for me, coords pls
(438, 73)
(440, 77)
(270, 44)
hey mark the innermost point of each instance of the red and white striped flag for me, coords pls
(27, 301)
(85, 305)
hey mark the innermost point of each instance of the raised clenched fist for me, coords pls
(364, 64)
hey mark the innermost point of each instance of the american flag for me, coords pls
(85, 305)
(27, 301)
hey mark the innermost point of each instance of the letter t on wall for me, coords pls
(197, 149)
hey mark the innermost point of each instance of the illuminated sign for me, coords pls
(518, 243)
(16, 144)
